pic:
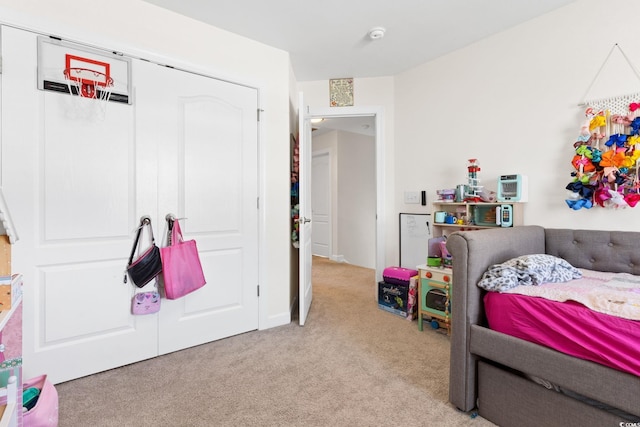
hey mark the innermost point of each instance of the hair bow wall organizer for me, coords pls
(607, 152)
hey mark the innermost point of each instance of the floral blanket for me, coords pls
(528, 270)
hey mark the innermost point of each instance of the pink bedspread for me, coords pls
(568, 327)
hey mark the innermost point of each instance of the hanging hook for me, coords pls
(170, 219)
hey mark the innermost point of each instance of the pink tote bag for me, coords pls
(181, 268)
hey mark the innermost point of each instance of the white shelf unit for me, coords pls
(468, 214)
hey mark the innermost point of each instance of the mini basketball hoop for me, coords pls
(86, 83)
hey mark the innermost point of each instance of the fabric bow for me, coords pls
(583, 178)
(617, 199)
(585, 150)
(632, 199)
(601, 195)
(634, 106)
(635, 126)
(630, 161)
(610, 172)
(612, 158)
(597, 121)
(633, 140)
(620, 120)
(620, 178)
(586, 164)
(618, 139)
(580, 203)
(580, 188)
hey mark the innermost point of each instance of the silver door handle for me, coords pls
(303, 220)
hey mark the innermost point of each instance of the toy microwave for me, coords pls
(493, 216)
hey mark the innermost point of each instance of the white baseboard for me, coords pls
(274, 321)
(338, 258)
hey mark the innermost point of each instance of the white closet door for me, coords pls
(205, 134)
(76, 189)
(72, 188)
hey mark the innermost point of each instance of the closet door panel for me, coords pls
(85, 165)
(72, 187)
(208, 178)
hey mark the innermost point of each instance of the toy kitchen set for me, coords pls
(470, 206)
(466, 207)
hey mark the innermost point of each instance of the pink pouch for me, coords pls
(45, 412)
(145, 303)
(181, 267)
(399, 273)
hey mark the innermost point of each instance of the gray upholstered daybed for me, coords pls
(487, 367)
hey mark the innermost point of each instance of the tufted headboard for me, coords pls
(616, 251)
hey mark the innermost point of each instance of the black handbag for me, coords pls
(148, 265)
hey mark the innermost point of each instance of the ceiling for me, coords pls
(329, 39)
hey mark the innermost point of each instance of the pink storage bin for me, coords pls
(404, 275)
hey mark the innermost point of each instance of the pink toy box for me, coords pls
(397, 295)
(398, 275)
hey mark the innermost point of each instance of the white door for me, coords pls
(71, 188)
(321, 202)
(305, 293)
(77, 188)
(205, 133)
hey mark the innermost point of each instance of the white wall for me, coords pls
(140, 29)
(357, 199)
(353, 196)
(511, 101)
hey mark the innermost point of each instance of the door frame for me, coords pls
(378, 115)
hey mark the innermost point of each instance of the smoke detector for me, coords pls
(376, 33)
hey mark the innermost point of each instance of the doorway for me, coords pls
(363, 120)
(344, 190)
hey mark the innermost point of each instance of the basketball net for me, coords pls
(90, 92)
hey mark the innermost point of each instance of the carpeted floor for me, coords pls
(352, 364)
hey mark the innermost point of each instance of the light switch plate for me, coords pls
(412, 197)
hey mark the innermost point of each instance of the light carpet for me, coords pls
(352, 364)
